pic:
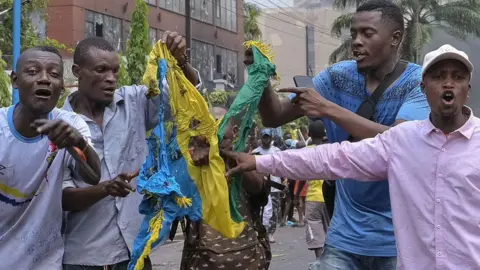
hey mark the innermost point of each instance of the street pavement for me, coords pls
(289, 252)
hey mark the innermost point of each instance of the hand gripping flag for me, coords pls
(203, 193)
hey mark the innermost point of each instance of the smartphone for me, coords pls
(303, 81)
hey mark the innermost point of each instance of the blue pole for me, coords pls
(17, 25)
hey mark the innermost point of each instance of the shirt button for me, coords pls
(438, 200)
(439, 254)
(438, 226)
(443, 150)
(440, 175)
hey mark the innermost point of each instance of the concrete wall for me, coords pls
(286, 30)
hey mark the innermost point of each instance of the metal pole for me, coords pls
(17, 25)
(188, 27)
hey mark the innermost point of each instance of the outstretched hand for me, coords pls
(120, 185)
(244, 162)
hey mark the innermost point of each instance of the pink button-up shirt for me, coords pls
(434, 185)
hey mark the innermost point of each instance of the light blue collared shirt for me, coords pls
(104, 233)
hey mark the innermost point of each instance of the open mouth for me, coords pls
(448, 97)
(359, 55)
(43, 93)
(109, 91)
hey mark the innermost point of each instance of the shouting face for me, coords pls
(374, 39)
(98, 74)
(446, 85)
(39, 79)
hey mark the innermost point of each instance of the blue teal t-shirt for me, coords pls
(362, 221)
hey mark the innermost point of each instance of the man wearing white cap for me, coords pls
(273, 206)
(431, 167)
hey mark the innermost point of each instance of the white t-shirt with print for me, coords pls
(31, 194)
(269, 151)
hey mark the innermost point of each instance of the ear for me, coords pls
(422, 86)
(235, 129)
(76, 71)
(396, 38)
(14, 79)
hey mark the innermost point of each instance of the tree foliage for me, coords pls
(457, 18)
(28, 35)
(221, 97)
(250, 23)
(29, 38)
(138, 44)
(123, 77)
(63, 97)
(5, 96)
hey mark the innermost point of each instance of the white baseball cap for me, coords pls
(446, 51)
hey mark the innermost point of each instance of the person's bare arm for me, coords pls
(274, 111)
(79, 199)
(191, 74)
(359, 127)
(253, 182)
(310, 103)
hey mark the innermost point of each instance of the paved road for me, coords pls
(290, 252)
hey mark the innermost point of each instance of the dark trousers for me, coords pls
(328, 189)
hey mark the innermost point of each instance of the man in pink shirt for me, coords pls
(431, 166)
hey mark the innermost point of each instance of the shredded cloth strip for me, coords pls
(172, 186)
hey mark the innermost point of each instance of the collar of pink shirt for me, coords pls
(466, 130)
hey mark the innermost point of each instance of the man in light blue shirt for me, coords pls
(361, 234)
(103, 221)
(34, 163)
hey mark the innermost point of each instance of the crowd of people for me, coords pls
(372, 119)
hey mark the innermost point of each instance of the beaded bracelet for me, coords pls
(185, 61)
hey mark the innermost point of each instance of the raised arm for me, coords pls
(274, 111)
(315, 103)
(415, 107)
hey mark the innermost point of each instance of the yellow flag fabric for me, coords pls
(192, 118)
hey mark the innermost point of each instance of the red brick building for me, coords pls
(216, 27)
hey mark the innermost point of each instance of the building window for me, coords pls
(226, 14)
(101, 25)
(177, 6)
(203, 59)
(217, 9)
(151, 2)
(227, 65)
(202, 10)
(152, 33)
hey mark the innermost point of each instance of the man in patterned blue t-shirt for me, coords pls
(361, 232)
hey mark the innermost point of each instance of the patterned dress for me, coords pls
(205, 248)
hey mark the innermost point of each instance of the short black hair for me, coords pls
(316, 130)
(84, 46)
(390, 12)
(49, 49)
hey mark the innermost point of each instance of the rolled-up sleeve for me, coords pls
(152, 105)
(366, 160)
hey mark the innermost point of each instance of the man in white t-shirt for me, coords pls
(273, 205)
(34, 162)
